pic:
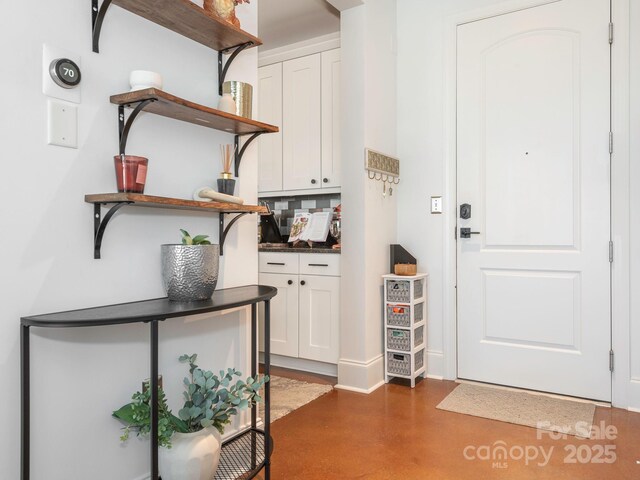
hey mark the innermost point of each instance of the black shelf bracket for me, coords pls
(239, 152)
(100, 224)
(224, 67)
(125, 126)
(223, 231)
(97, 17)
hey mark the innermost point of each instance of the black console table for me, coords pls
(242, 456)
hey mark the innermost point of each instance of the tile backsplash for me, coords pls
(284, 208)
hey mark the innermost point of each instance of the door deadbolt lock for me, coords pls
(465, 211)
(466, 232)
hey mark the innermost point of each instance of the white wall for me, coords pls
(421, 145)
(80, 376)
(369, 226)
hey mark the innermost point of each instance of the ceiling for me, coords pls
(282, 22)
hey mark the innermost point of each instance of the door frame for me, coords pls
(620, 188)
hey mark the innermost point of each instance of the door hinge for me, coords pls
(610, 33)
(611, 360)
(610, 251)
(610, 142)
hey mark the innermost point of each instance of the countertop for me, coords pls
(298, 249)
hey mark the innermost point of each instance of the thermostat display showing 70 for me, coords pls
(65, 73)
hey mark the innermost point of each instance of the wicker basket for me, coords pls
(400, 363)
(400, 315)
(401, 339)
(398, 291)
(405, 269)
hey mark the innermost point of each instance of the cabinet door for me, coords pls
(301, 123)
(270, 111)
(284, 314)
(331, 118)
(319, 318)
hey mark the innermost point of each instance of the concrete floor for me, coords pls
(397, 433)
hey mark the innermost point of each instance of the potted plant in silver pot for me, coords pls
(191, 440)
(190, 269)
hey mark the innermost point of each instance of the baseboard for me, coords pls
(634, 410)
(362, 377)
(435, 365)
(321, 368)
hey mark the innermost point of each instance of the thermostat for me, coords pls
(65, 73)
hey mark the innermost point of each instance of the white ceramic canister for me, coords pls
(141, 79)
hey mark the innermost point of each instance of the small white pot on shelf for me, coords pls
(192, 456)
(141, 79)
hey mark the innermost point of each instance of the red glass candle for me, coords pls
(131, 173)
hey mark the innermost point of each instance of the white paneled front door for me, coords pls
(533, 163)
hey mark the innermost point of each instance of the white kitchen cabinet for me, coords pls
(284, 313)
(319, 307)
(306, 154)
(301, 143)
(270, 146)
(305, 315)
(331, 102)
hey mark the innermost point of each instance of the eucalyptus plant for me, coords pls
(210, 400)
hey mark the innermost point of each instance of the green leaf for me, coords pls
(125, 413)
(244, 403)
(199, 239)
(198, 399)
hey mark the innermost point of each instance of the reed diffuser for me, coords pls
(226, 182)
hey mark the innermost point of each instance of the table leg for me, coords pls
(254, 375)
(267, 388)
(25, 393)
(154, 399)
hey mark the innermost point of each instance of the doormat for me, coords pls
(288, 395)
(521, 408)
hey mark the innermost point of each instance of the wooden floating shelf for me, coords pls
(191, 21)
(177, 108)
(140, 200)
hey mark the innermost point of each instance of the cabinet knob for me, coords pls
(303, 282)
(313, 181)
(325, 180)
(290, 282)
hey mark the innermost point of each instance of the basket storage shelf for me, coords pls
(405, 326)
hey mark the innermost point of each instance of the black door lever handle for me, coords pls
(466, 232)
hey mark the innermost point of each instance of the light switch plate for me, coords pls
(436, 205)
(49, 87)
(62, 124)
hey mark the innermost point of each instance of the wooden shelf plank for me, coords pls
(177, 108)
(140, 200)
(191, 21)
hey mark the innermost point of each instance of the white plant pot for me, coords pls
(192, 456)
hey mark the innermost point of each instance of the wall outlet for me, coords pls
(436, 205)
(62, 124)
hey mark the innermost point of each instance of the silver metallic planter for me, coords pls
(190, 272)
(242, 93)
